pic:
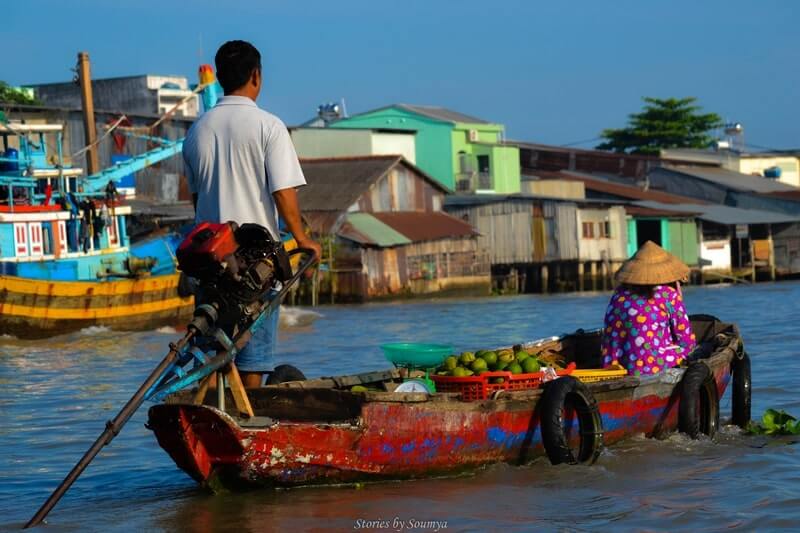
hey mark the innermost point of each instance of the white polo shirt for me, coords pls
(236, 156)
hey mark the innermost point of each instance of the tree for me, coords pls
(664, 123)
(13, 95)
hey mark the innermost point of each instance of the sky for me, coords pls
(555, 72)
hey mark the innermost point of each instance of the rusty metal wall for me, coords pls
(565, 232)
(597, 247)
(394, 270)
(506, 230)
(401, 189)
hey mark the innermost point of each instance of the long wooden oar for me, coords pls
(113, 428)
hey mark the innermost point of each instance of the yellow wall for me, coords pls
(574, 190)
(757, 165)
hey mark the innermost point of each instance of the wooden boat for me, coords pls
(318, 431)
(32, 308)
(66, 260)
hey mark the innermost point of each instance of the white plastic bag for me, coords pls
(548, 374)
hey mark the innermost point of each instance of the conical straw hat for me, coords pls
(652, 265)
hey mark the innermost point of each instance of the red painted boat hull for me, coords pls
(397, 440)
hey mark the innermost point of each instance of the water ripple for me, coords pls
(56, 395)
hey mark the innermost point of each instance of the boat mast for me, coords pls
(85, 80)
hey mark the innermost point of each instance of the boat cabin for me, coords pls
(53, 224)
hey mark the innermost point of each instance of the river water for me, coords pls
(55, 396)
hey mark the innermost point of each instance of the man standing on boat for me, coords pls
(241, 166)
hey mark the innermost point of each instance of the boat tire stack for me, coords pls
(698, 412)
(563, 394)
(741, 390)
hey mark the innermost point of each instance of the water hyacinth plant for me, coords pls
(775, 422)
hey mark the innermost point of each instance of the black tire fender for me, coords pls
(284, 373)
(568, 391)
(741, 390)
(698, 412)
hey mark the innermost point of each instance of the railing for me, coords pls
(474, 181)
(448, 265)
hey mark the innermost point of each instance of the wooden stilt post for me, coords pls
(604, 274)
(557, 267)
(331, 273)
(545, 278)
(593, 273)
(772, 266)
(315, 288)
(581, 275)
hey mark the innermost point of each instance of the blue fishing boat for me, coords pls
(66, 261)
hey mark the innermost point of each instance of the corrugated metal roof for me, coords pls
(723, 214)
(470, 200)
(595, 183)
(366, 229)
(404, 227)
(732, 180)
(784, 195)
(639, 211)
(441, 113)
(322, 222)
(335, 183)
(436, 113)
(426, 226)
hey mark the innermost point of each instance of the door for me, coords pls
(648, 230)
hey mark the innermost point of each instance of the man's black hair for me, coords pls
(235, 61)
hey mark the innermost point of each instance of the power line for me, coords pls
(582, 142)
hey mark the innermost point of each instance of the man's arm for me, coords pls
(289, 209)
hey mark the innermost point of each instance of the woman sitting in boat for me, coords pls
(646, 326)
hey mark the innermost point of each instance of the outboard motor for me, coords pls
(235, 267)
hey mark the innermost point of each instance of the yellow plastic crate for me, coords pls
(600, 374)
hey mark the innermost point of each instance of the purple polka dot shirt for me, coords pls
(646, 332)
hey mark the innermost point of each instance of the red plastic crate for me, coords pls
(479, 388)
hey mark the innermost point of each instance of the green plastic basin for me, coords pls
(416, 354)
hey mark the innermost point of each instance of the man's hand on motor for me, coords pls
(311, 245)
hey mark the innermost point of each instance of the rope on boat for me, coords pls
(116, 125)
(168, 114)
(100, 139)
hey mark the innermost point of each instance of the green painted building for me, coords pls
(675, 235)
(463, 153)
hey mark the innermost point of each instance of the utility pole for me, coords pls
(85, 80)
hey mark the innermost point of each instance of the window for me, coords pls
(604, 230)
(588, 230)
